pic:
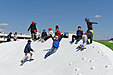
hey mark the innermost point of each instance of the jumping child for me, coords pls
(56, 43)
(27, 51)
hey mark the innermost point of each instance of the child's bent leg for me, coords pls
(55, 49)
(24, 57)
(73, 38)
(78, 39)
(30, 55)
(91, 39)
(84, 38)
(49, 53)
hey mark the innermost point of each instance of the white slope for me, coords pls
(95, 60)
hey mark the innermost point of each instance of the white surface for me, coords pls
(95, 60)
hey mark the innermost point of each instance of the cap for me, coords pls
(33, 21)
(49, 28)
(44, 30)
(65, 32)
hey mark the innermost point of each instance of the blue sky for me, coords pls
(68, 14)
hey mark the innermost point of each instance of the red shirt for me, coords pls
(58, 33)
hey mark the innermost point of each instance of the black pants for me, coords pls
(77, 38)
(33, 35)
(8, 40)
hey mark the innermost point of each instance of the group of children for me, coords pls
(58, 36)
(44, 37)
(14, 37)
(87, 35)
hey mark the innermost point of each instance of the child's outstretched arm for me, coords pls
(60, 38)
(94, 22)
(30, 48)
(52, 38)
(29, 28)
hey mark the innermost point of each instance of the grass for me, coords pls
(108, 44)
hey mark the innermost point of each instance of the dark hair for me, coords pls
(57, 27)
(10, 33)
(79, 26)
(29, 41)
(15, 32)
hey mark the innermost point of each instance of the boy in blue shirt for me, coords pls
(78, 35)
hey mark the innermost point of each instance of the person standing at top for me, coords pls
(32, 28)
(89, 24)
(15, 36)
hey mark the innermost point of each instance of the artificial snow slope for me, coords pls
(95, 60)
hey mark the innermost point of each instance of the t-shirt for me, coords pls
(51, 33)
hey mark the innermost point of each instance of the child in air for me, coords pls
(56, 43)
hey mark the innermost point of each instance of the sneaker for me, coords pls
(45, 57)
(76, 42)
(79, 46)
(71, 42)
(31, 59)
(83, 47)
(22, 61)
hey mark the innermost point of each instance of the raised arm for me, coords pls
(60, 38)
(94, 22)
(52, 38)
(29, 28)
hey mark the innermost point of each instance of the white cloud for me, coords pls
(98, 16)
(3, 24)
